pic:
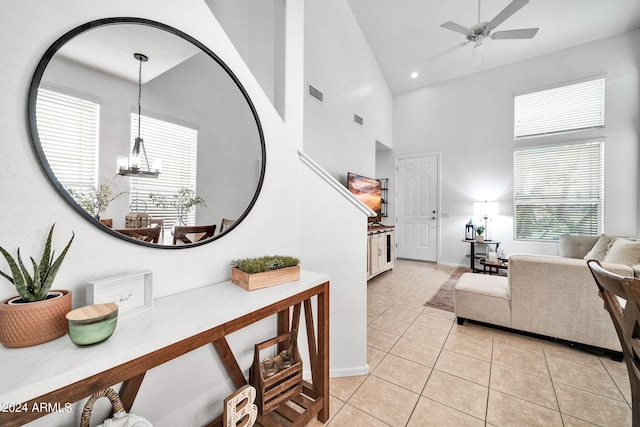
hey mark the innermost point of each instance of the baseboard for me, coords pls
(343, 372)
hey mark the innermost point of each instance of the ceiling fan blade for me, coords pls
(511, 8)
(441, 54)
(524, 33)
(476, 55)
(456, 27)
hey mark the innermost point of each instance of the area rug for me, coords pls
(443, 298)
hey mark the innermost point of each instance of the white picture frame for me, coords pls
(132, 292)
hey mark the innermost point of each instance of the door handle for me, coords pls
(433, 217)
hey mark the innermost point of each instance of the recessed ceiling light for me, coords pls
(414, 74)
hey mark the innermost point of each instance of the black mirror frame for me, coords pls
(37, 146)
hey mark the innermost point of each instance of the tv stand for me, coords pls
(381, 244)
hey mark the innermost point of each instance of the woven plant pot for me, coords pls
(32, 323)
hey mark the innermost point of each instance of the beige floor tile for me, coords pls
(335, 405)
(371, 317)
(344, 387)
(426, 335)
(554, 351)
(380, 339)
(598, 381)
(570, 421)
(506, 410)
(463, 344)
(415, 351)
(614, 368)
(403, 372)
(390, 325)
(385, 401)
(592, 407)
(429, 413)
(532, 388)
(381, 299)
(510, 341)
(374, 356)
(350, 416)
(377, 308)
(434, 322)
(624, 386)
(439, 313)
(531, 363)
(473, 331)
(465, 367)
(401, 313)
(457, 393)
(410, 303)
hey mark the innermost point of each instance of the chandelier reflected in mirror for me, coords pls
(131, 165)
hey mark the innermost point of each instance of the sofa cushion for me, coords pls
(623, 251)
(600, 249)
(573, 246)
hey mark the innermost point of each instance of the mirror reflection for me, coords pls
(146, 133)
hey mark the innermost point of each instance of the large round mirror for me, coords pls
(146, 132)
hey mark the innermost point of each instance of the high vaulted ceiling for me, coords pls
(405, 34)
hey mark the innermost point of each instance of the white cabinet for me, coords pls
(381, 250)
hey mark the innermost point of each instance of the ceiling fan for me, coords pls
(483, 29)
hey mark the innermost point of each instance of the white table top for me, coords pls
(33, 371)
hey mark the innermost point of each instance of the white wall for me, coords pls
(334, 240)
(470, 121)
(194, 386)
(339, 62)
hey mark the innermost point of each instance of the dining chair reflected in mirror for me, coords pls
(193, 233)
(621, 297)
(226, 223)
(146, 234)
(158, 222)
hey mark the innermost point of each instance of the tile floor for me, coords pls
(428, 371)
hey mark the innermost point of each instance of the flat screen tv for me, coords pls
(367, 190)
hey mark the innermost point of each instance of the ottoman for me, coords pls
(484, 298)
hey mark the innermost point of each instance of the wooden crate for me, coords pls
(255, 281)
(280, 387)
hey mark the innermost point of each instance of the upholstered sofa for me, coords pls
(553, 296)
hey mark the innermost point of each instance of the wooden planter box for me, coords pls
(251, 282)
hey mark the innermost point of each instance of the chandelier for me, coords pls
(130, 166)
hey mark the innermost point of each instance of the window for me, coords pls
(176, 146)
(558, 190)
(573, 107)
(68, 128)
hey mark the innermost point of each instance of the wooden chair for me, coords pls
(626, 319)
(226, 223)
(198, 232)
(146, 234)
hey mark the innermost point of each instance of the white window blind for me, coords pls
(176, 146)
(68, 129)
(558, 190)
(568, 108)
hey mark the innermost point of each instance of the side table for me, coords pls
(473, 254)
(494, 267)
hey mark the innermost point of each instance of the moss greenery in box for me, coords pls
(256, 273)
(265, 263)
(37, 314)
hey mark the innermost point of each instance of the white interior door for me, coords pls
(417, 207)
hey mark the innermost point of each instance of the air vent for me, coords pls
(316, 94)
(359, 120)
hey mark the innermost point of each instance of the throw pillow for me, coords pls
(600, 249)
(624, 252)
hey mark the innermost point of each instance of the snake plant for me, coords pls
(35, 287)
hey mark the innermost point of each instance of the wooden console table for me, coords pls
(175, 326)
